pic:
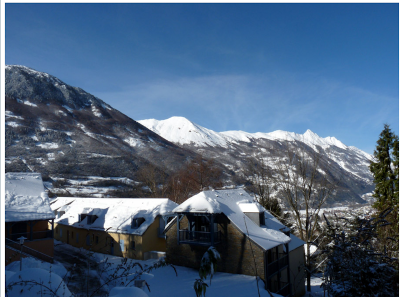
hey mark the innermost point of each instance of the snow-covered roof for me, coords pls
(250, 206)
(25, 198)
(113, 214)
(231, 203)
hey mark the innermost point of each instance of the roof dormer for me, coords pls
(136, 222)
(253, 212)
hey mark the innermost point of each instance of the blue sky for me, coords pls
(331, 68)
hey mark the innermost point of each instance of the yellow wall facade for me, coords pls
(111, 242)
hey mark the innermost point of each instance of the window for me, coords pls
(132, 245)
(136, 222)
(72, 234)
(88, 240)
(89, 218)
(60, 232)
(97, 240)
(56, 230)
(121, 244)
(77, 237)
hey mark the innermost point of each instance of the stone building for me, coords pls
(125, 227)
(249, 239)
(27, 215)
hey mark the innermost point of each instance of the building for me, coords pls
(126, 227)
(28, 215)
(249, 239)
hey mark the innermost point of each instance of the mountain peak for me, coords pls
(183, 131)
(25, 83)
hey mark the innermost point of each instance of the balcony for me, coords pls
(27, 251)
(281, 288)
(47, 234)
(199, 237)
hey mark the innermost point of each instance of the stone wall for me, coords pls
(236, 251)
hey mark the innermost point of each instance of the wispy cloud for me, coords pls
(260, 103)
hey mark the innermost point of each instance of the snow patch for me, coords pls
(30, 103)
(48, 145)
(61, 112)
(68, 108)
(133, 141)
(9, 114)
(96, 111)
(12, 124)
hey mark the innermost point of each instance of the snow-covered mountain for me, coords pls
(182, 131)
(231, 148)
(59, 130)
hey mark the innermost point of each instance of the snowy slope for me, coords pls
(182, 131)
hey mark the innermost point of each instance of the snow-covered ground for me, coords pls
(34, 272)
(162, 281)
(316, 290)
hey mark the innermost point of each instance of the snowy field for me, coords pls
(162, 281)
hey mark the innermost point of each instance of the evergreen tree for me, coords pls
(385, 169)
(354, 266)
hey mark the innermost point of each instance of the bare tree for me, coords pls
(260, 182)
(202, 173)
(196, 176)
(154, 179)
(179, 188)
(305, 187)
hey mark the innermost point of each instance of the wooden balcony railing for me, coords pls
(31, 235)
(277, 265)
(27, 251)
(285, 289)
(199, 237)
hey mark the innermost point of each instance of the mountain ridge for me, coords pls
(160, 127)
(348, 164)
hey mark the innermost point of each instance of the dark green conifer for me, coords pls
(385, 168)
